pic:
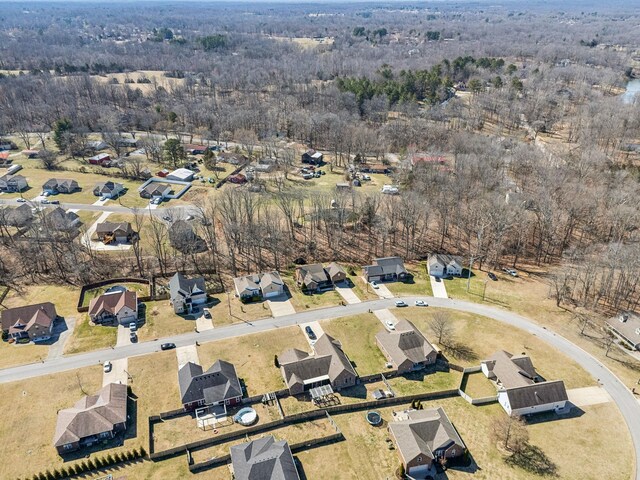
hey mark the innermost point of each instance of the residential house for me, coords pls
(111, 308)
(119, 232)
(6, 145)
(259, 286)
(263, 459)
(31, 153)
(232, 158)
(92, 419)
(521, 391)
(34, 322)
(109, 189)
(184, 238)
(102, 159)
(217, 386)
(127, 142)
(626, 326)
(238, 179)
(54, 186)
(187, 292)
(388, 269)
(377, 168)
(313, 278)
(181, 175)
(328, 365)
(61, 220)
(418, 159)
(312, 157)
(96, 145)
(425, 438)
(441, 265)
(19, 217)
(336, 273)
(13, 183)
(156, 190)
(406, 348)
(195, 149)
(4, 158)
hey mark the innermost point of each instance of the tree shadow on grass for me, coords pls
(533, 460)
(460, 351)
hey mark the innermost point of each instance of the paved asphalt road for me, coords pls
(113, 207)
(626, 401)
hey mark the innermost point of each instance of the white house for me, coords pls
(521, 391)
(444, 265)
(109, 189)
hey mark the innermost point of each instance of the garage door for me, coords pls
(271, 294)
(419, 472)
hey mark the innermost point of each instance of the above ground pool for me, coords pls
(245, 416)
(374, 418)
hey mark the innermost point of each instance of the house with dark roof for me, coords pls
(34, 322)
(119, 232)
(406, 348)
(92, 419)
(263, 459)
(54, 186)
(425, 438)
(13, 183)
(315, 277)
(388, 269)
(185, 293)
(111, 308)
(17, 217)
(626, 326)
(259, 286)
(62, 220)
(521, 391)
(156, 190)
(441, 265)
(328, 365)
(109, 189)
(312, 157)
(217, 386)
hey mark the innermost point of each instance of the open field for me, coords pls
(228, 309)
(418, 285)
(87, 337)
(160, 321)
(483, 336)
(253, 356)
(358, 337)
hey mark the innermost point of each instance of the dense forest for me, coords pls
(363, 83)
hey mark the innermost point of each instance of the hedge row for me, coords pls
(90, 465)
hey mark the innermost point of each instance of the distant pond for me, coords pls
(633, 89)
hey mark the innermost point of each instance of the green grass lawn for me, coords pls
(357, 334)
(161, 321)
(87, 337)
(419, 382)
(476, 385)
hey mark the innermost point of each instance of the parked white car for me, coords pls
(421, 303)
(390, 325)
(375, 285)
(390, 189)
(107, 367)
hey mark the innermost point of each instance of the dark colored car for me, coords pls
(492, 276)
(310, 333)
(167, 346)
(55, 202)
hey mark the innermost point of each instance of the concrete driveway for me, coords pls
(281, 306)
(118, 373)
(317, 329)
(385, 316)
(203, 324)
(62, 330)
(188, 353)
(347, 294)
(439, 290)
(583, 397)
(382, 291)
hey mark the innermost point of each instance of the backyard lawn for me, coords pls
(141, 289)
(253, 356)
(476, 385)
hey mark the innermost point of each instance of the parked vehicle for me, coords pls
(310, 333)
(106, 367)
(104, 199)
(45, 201)
(492, 276)
(421, 303)
(510, 271)
(133, 336)
(307, 176)
(167, 346)
(375, 285)
(21, 200)
(206, 313)
(390, 325)
(400, 303)
(55, 202)
(133, 326)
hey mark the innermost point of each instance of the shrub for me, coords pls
(143, 452)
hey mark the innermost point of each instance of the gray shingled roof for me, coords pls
(312, 273)
(424, 432)
(217, 384)
(181, 285)
(511, 370)
(386, 266)
(92, 415)
(263, 459)
(406, 342)
(537, 394)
